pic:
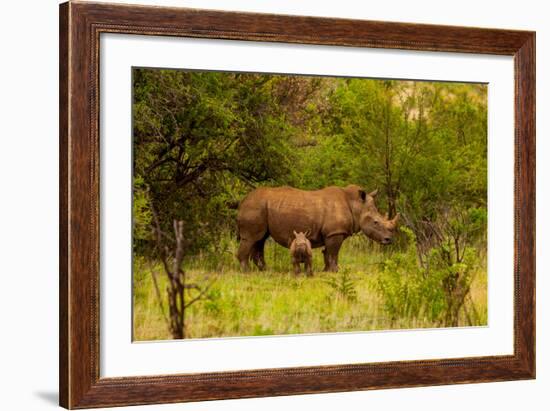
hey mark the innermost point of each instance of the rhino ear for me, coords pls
(363, 194)
(374, 193)
(295, 233)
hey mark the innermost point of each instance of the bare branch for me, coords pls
(172, 261)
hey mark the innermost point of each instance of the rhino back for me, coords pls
(323, 212)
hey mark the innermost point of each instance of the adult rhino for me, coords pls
(330, 215)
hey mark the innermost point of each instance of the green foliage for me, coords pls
(424, 144)
(212, 302)
(260, 330)
(276, 302)
(343, 285)
(141, 214)
(407, 290)
(141, 211)
(202, 139)
(434, 289)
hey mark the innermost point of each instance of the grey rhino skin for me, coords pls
(330, 215)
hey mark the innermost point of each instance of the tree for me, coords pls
(200, 138)
(179, 288)
(425, 144)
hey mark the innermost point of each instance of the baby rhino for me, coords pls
(300, 252)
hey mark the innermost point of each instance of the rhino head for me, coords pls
(373, 224)
(300, 238)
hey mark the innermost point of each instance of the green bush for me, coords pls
(343, 285)
(430, 292)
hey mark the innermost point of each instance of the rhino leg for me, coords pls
(296, 265)
(325, 257)
(332, 248)
(243, 254)
(258, 254)
(308, 267)
(252, 226)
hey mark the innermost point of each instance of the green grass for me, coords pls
(276, 301)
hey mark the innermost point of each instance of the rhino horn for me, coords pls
(395, 220)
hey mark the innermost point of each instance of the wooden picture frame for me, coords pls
(80, 27)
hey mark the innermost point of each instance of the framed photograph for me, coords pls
(258, 205)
